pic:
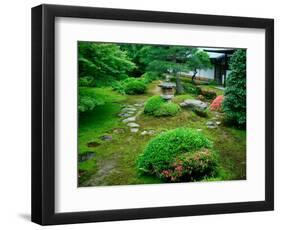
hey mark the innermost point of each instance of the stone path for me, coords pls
(214, 122)
(131, 111)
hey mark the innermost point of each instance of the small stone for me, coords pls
(106, 137)
(131, 112)
(212, 127)
(129, 109)
(124, 114)
(138, 105)
(93, 144)
(134, 130)
(151, 132)
(218, 122)
(210, 123)
(133, 125)
(85, 156)
(118, 131)
(144, 132)
(129, 119)
(199, 130)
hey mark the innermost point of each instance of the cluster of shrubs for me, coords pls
(130, 86)
(191, 88)
(157, 106)
(133, 86)
(179, 155)
(208, 94)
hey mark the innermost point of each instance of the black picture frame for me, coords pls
(43, 114)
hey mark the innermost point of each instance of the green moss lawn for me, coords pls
(114, 159)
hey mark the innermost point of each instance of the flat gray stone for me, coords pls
(212, 127)
(106, 137)
(124, 115)
(144, 132)
(129, 109)
(118, 131)
(133, 125)
(210, 123)
(134, 130)
(86, 156)
(151, 132)
(194, 103)
(129, 119)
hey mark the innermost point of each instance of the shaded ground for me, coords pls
(114, 162)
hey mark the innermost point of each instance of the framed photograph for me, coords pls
(142, 114)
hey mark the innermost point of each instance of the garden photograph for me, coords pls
(155, 114)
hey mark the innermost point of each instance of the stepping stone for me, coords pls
(199, 130)
(86, 156)
(106, 137)
(138, 105)
(118, 131)
(211, 125)
(134, 130)
(151, 132)
(193, 103)
(129, 119)
(131, 112)
(124, 114)
(129, 109)
(218, 122)
(93, 144)
(144, 133)
(133, 125)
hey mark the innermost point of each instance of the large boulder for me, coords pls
(194, 104)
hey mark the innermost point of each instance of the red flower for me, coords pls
(217, 103)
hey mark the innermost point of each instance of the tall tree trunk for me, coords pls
(194, 75)
(179, 87)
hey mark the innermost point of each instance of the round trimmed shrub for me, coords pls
(167, 109)
(157, 107)
(179, 155)
(152, 104)
(134, 87)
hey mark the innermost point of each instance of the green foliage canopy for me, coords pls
(234, 104)
(104, 62)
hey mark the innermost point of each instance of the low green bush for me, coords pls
(157, 107)
(148, 77)
(209, 94)
(191, 88)
(152, 104)
(129, 86)
(134, 87)
(167, 109)
(86, 81)
(118, 86)
(179, 155)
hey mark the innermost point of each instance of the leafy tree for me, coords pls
(99, 64)
(133, 52)
(169, 59)
(234, 104)
(198, 60)
(103, 62)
